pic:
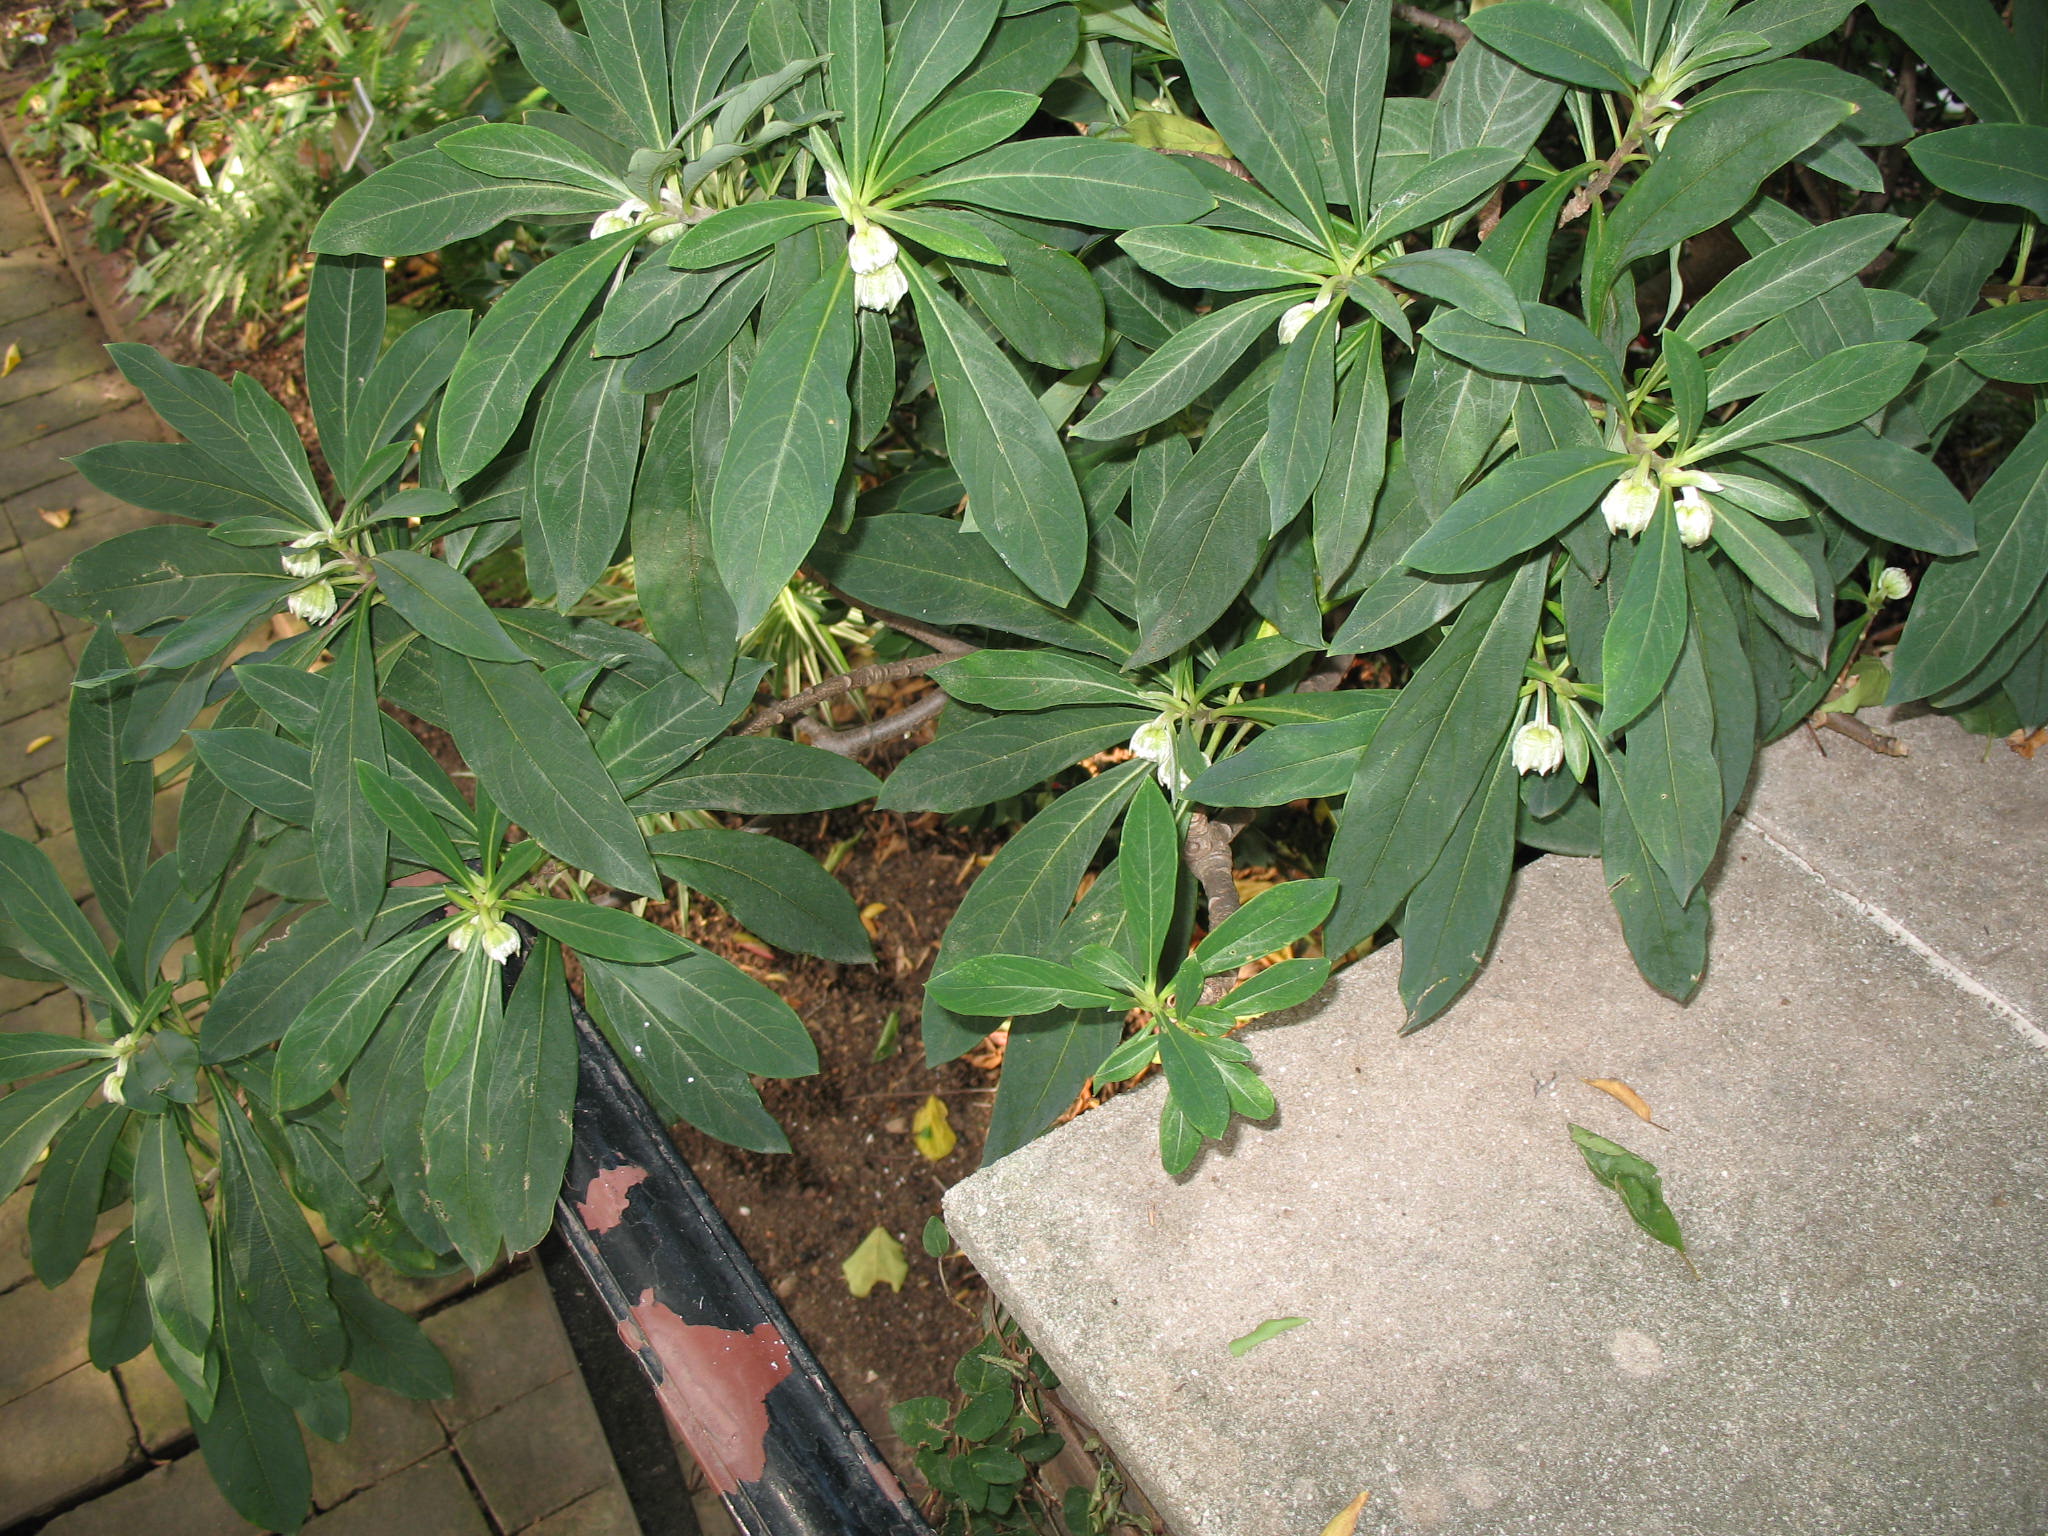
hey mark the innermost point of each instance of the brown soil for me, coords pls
(854, 1164)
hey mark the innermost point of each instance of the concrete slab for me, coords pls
(1857, 1152)
(1944, 846)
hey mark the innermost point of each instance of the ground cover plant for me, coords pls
(1136, 450)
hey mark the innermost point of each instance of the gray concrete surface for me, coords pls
(1945, 846)
(1856, 1149)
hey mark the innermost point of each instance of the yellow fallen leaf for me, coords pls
(932, 1128)
(37, 745)
(1346, 1521)
(879, 1258)
(1615, 1088)
(56, 517)
(12, 360)
(871, 917)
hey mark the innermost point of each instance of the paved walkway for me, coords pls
(519, 1448)
(1857, 1113)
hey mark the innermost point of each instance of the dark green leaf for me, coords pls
(40, 921)
(275, 984)
(1668, 939)
(1185, 366)
(1205, 541)
(32, 1115)
(776, 892)
(385, 1347)
(1520, 505)
(442, 605)
(1674, 788)
(1003, 755)
(1643, 639)
(320, 1043)
(606, 932)
(67, 1199)
(1028, 680)
(171, 1246)
(119, 1327)
(426, 201)
(1071, 181)
(354, 846)
(1788, 274)
(1273, 919)
(1310, 760)
(716, 1004)
(110, 797)
(1555, 41)
(1148, 862)
(532, 1082)
(280, 1273)
(1881, 486)
(759, 776)
(251, 1443)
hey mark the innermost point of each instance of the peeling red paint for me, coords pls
(714, 1388)
(603, 1205)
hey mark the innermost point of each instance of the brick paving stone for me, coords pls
(58, 346)
(63, 851)
(14, 1262)
(410, 1295)
(177, 1499)
(35, 680)
(24, 625)
(537, 1454)
(42, 1332)
(16, 992)
(56, 1013)
(42, 461)
(430, 1499)
(607, 1512)
(60, 1440)
(47, 802)
(501, 1344)
(155, 1405)
(387, 1433)
(15, 816)
(17, 577)
(95, 518)
(94, 393)
(33, 280)
(17, 762)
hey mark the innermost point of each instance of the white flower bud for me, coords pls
(1629, 503)
(1153, 741)
(1892, 584)
(314, 604)
(870, 248)
(1695, 517)
(882, 288)
(1538, 748)
(301, 562)
(625, 216)
(499, 940)
(1296, 319)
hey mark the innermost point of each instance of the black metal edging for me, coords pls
(729, 1369)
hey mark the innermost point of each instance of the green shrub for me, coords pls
(1142, 447)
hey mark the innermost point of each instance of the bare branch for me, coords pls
(1861, 734)
(937, 639)
(1429, 21)
(1235, 167)
(860, 738)
(772, 715)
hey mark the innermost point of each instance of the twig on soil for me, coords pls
(771, 715)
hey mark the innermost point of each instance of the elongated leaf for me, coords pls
(1277, 916)
(1047, 1061)
(171, 1246)
(353, 844)
(1430, 755)
(1674, 789)
(639, 1010)
(734, 233)
(929, 568)
(252, 1447)
(110, 797)
(1460, 278)
(759, 776)
(531, 1079)
(661, 728)
(1342, 507)
(1357, 85)
(453, 1134)
(1439, 188)
(1071, 180)
(1555, 41)
(1248, 105)
(539, 766)
(1880, 486)
(1033, 679)
(1204, 543)
(512, 349)
(426, 201)
(275, 984)
(40, 921)
(1524, 503)
(1988, 163)
(999, 985)
(587, 451)
(1197, 1085)
(1452, 913)
(1018, 483)
(1557, 345)
(1148, 861)
(1299, 428)
(1016, 905)
(1647, 631)
(344, 337)
(728, 1011)
(1197, 257)
(522, 152)
(1667, 938)
(1835, 392)
(402, 384)
(28, 1053)
(320, 1044)
(953, 130)
(280, 1273)
(66, 1206)
(1185, 366)
(1777, 569)
(1973, 53)
(602, 931)
(1309, 760)
(442, 605)
(1001, 756)
(30, 1116)
(1965, 605)
(1788, 274)
(776, 892)
(776, 478)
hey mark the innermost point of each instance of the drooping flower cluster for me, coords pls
(1538, 746)
(878, 282)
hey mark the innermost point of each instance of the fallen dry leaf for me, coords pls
(1614, 1087)
(2027, 743)
(1346, 1522)
(37, 745)
(932, 1129)
(56, 517)
(12, 360)
(871, 916)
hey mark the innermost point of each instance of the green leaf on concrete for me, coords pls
(1271, 1328)
(1635, 1180)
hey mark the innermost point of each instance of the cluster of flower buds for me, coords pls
(635, 211)
(1296, 319)
(1153, 741)
(1538, 746)
(496, 937)
(878, 282)
(1632, 500)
